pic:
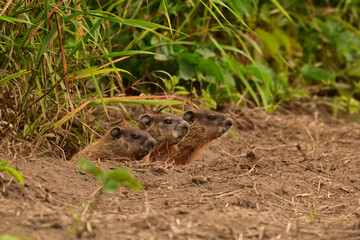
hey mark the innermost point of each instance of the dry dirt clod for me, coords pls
(199, 179)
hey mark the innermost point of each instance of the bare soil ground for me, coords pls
(291, 175)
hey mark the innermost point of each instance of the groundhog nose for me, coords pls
(228, 123)
(151, 144)
(185, 128)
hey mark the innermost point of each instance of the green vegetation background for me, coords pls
(58, 58)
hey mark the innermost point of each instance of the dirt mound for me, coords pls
(291, 175)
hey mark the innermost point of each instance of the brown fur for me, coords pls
(119, 143)
(205, 126)
(167, 130)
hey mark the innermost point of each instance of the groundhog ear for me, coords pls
(115, 132)
(145, 120)
(189, 116)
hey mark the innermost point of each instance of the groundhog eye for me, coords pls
(211, 117)
(167, 121)
(135, 136)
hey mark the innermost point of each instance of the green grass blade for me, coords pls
(278, 5)
(124, 53)
(167, 16)
(212, 13)
(12, 20)
(13, 76)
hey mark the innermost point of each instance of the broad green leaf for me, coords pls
(124, 177)
(209, 68)
(87, 166)
(110, 186)
(321, 75)
(14, 173)
(269, 40)
(186, 70)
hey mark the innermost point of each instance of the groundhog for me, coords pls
(167, 130)
(119, 143)
(205, 126)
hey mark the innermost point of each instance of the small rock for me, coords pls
(199, 179)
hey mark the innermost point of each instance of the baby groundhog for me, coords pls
(205, 126)
(167, 130)
(119, 143)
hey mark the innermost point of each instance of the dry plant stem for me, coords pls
(93, 204)
(65, 70)
(36, 146)
(252, 169)
(312, 139)
(229, 193)
(273, 148)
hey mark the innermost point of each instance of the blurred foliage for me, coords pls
(59, 58)
(9, 170)
(110, 181)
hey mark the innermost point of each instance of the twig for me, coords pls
(312, 139)
(273, 148)
(252, 169)
(228, 194)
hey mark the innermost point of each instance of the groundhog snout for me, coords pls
(225, 126)
(183, 128)
(150, 144)
(228, 123)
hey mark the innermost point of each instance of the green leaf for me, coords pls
(124, 177)
(209, 68)
(110, 186)
(269, 40)
(309, 71)
(12, 172)
(87, 166)
(186, 70)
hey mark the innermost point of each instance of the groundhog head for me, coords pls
(207, 124)
(126, 142)
(164, 128)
